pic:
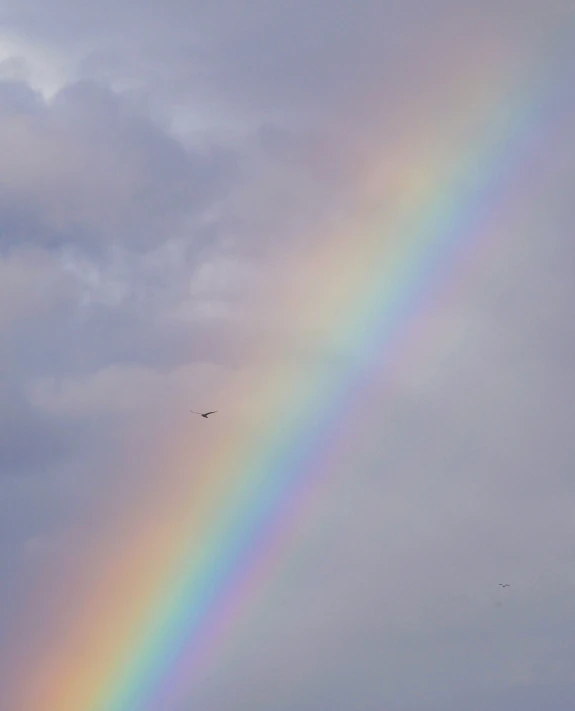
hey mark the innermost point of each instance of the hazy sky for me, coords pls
(163, 166)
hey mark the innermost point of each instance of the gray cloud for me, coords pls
(193, 151)
(290, 58)
(87, 170)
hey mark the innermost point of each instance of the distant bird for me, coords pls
(204, 414)
(503, 586)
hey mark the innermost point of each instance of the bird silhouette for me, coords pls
(503, 586)
(204, 414)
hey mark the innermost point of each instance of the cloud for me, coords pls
(86, 170)
(292, 58)
(163, 168)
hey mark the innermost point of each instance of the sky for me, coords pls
(182, 188)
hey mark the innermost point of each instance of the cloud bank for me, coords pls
(163, 166)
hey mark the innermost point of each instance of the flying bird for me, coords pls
(504, 586)
(204, 414)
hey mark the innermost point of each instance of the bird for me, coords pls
(504, 586)
(204, 414)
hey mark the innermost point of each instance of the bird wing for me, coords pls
(210, 413)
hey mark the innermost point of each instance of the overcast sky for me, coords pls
(163, 165)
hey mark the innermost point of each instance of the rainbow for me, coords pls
(156, 602)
